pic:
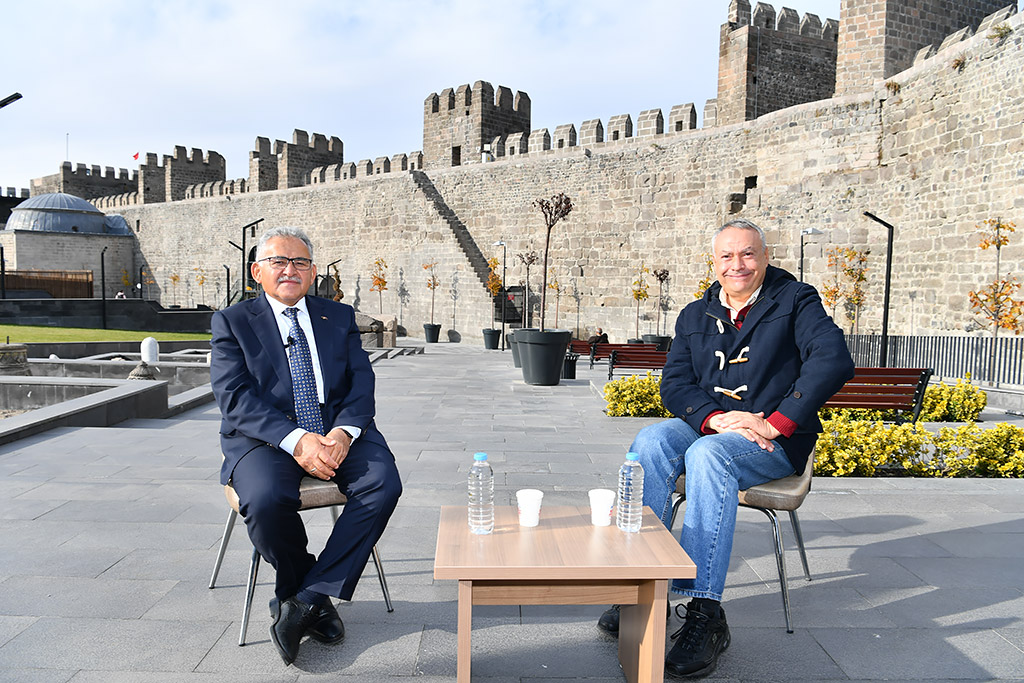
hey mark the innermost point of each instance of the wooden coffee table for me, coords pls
(565, 560)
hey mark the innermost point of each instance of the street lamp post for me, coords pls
(504, 294)
(804, 233)
(883, 356)
(227, 282)
(10, 98)
(103, 285)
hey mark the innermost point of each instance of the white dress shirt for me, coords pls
(284, 326)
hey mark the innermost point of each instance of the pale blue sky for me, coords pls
(107, 78)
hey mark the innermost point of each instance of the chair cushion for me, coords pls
(781, 494)
(313, 493)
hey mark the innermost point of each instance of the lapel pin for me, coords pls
(323, 317)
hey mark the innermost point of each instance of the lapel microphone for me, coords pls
(289, 342)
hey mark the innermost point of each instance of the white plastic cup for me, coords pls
(529, 506)
(601, 503)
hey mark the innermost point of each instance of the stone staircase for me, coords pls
(459, 230)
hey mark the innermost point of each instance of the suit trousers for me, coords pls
(267, 482)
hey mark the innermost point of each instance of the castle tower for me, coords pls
(768, 62)
(879, 38)
(458, 123)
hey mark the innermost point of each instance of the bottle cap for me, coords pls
(632, 456)
(479, 456)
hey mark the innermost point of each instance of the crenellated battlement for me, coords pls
(365, 168)
(458, 123)
(769, 61)
(85, 181)
(787, 20)
(289, 164)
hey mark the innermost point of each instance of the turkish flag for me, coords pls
(135, 156)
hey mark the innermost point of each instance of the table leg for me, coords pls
(465, 626)
(642, 634)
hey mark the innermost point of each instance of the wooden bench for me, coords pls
(579, 346)
(603, 351)
(636, 359)
(900, 389)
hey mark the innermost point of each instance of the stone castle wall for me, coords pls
(26, 249)
(767, 63)
(935, 159)
(86, 181)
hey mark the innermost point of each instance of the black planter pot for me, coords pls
(491, 338)
(661, 340)
(431, 332)
(542, 355)
(517, 360)
(634, 341)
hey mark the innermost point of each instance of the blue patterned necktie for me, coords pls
(307, 403)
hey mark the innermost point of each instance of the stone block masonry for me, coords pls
(935, 156)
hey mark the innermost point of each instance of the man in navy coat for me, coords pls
(751, 363)
(295, 390)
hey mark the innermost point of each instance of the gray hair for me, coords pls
(740, 224)
(282, 231)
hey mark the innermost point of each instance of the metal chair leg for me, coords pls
(780, 560)
(383, 581)
(800, 542)
(254, 567)
(223, 545)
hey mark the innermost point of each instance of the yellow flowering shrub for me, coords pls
(962, 402)
(856, 448)
(635, 396)
(970, 451)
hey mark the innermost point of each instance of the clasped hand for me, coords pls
(320, 455)
(753, 426)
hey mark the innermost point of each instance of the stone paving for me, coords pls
(108, 538)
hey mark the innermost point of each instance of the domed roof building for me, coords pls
(59, 212)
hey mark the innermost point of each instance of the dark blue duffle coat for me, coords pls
(796, 359)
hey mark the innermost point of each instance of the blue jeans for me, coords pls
(717, 467)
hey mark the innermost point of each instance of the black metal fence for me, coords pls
(999, 360)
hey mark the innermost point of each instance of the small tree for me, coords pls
(577, 296)
(855, 271)
(661, 275)
(996, 302)
(527, 259)
(201, 281)
(432, 284)
(175, 279)
(453, 292)
(493, 282)
(709, 275)
(639, 291)
(380, 281)
(557, 287)
(833, 291)
(554, 210)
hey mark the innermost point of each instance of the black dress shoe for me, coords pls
(291, 619)
(327, 628)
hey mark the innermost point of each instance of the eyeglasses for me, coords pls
(281, 262)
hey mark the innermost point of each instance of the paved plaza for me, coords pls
(108, 537)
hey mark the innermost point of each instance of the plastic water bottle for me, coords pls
(629, 515)
(481, 495)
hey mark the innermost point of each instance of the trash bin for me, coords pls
(569, 366)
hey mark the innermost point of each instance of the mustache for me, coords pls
(289, 278)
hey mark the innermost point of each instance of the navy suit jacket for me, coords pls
(253, 384)
(796, 360)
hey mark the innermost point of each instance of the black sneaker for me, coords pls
(609, 621)
(703, 636)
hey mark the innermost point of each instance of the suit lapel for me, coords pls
(322, 331)
(265, 328)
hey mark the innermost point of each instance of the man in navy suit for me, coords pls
(295, 390)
